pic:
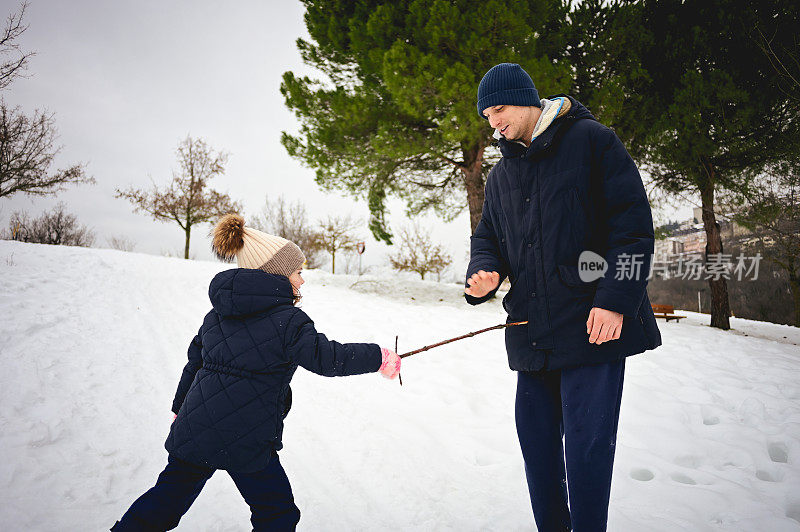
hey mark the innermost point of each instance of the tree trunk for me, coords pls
(474, 183)
(186, 247)
(333, 261)
(720, 306)
(794, 286)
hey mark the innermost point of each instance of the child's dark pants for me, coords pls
(267, 492)
(580, 405)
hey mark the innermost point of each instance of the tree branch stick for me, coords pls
(468, 335)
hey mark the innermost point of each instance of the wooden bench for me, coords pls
(666, 311)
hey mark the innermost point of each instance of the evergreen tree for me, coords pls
(606, 40)
(714, 112)
(397, 113)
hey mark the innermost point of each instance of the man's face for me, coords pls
(513, 121)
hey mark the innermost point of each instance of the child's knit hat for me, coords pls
(255, 249)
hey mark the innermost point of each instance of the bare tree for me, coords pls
(187, 200)
(783, 55)
(56, 227)
(290, 221)
(27, 144)
(338, 233)
(166, 252)
(13, 61)
(772, 212)
(121, 243)
(27, 149)
(418, 253)
(352, 263)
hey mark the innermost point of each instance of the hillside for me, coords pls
(93, 342)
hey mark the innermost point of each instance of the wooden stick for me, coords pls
(399, 377)
(468, 335)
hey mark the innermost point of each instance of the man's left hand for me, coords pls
(603, 325)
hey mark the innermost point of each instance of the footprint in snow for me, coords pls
(778, 452)
(768, 476)
(683, 479)
(710, 415)
(642, 474)
(793, 511)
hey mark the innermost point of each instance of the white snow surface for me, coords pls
(93, 343)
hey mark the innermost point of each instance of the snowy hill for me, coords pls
(93, 342)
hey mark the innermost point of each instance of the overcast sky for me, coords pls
(128, 80)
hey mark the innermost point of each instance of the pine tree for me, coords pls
(397, 113)
(715, 113)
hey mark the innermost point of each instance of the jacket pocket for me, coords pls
(570, 277)
(508, 304)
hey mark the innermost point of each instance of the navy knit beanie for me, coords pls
(506, 84)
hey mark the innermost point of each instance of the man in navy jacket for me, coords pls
(567, 220)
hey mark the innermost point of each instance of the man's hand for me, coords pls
(603, 325)
(482, 283)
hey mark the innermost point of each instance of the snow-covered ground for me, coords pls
(93, 342)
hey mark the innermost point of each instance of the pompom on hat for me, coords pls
(254, 249)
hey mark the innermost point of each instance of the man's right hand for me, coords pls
(482, 283)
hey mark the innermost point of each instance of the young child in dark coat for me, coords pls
(234, 392)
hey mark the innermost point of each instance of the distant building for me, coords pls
(667, 247)
(694, 241)
(692, 235)
(697, 215)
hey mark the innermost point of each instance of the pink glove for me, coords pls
(390, 367)
(174, 417)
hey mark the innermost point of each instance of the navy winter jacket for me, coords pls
(234, 392)
(574, 189)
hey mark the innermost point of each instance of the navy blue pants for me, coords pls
(581, 407)
(267, 492)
